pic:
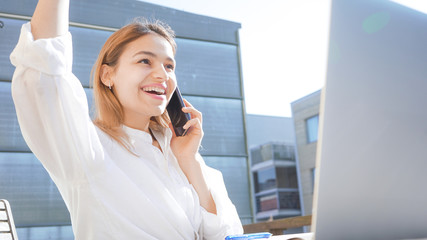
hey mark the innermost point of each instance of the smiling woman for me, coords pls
(125, 175)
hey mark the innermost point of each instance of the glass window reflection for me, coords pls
(287, 177)
(289, 200)
(267, 202)
(265, 179)
(312, 125)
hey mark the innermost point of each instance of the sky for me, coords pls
(283, 47)
(283, 43)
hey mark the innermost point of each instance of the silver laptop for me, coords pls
(371, 170)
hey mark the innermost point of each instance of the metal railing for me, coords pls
(7, 226)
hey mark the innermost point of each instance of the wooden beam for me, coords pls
(278, 226)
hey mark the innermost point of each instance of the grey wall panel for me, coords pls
(206, 68)
(42, 233)
(86, 46)
(234, 171)
(121, 12)
(222, 124)
(10, 133)
(113, 13)
(9, 35)
(33, 196)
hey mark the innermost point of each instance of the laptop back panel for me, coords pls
(372, 149)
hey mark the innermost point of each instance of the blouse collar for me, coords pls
(137, 135)
(163, 137)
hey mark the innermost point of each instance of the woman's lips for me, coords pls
(156, 96)
(156, 90)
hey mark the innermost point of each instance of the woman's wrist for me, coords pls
(185, 157)
(189, 164)
(193, 171)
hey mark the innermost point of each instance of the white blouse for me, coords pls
(110, 193)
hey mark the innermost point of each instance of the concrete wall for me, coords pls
(303, 109)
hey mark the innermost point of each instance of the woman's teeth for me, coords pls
(155, 90)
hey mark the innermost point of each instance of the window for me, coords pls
(267, 202)
(283, 152)
(287, 177)
(256, 156)
(312, 125)
(289, 200)
(265, 179)
(267, 152)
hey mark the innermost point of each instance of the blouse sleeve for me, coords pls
(51, 106)
(226, 221)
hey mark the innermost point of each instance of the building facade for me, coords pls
(214, 87)
(273, 167)
(305, 112)
(275, 179)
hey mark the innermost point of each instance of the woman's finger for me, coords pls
(195, 122)
(187, 103)
(190, 109)
(194, 112)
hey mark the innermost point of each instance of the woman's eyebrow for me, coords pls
(151, 54)
(145, 53)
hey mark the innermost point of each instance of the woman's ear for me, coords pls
(106, 75)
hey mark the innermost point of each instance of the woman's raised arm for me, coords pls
(50, 19)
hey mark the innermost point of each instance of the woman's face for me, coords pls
(144, 78)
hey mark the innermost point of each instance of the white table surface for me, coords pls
(310, 236)
(302, 236)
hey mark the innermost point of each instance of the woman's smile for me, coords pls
(156, 91)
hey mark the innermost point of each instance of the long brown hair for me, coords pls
(109, 113)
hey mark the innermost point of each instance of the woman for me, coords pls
(125, 175)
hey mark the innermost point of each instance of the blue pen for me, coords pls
(249, 236)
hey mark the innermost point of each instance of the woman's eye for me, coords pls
(145, 61)
(170, 66)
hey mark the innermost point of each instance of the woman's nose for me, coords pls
(160, 73)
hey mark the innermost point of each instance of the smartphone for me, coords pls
(176, 115)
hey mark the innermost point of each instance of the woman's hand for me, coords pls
(185, 148)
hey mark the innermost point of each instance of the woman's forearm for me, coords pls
(194, 174)
(50, 19)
